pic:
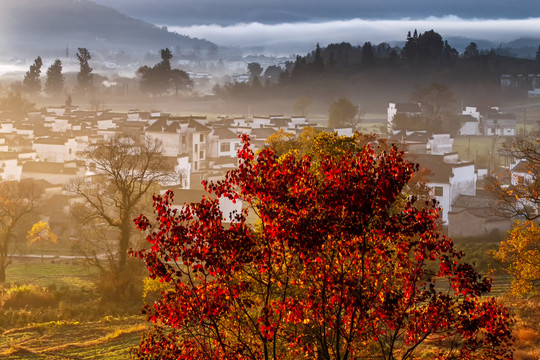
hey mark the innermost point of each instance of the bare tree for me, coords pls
(521, 197)
(18, 199)
(126, 170)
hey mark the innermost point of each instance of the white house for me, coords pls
(449, 178)
(10, 168)
(223, 143)
(490, 122)
(58, 150)
(440, 144)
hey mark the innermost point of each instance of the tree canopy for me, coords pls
(84, 76)
(342, 112)
(18, 199)
(161, 77)
(330, 269)
(520, 252)
(31, 81)
(54, 85)
(438, 104)
(126, 169)
(520, 256)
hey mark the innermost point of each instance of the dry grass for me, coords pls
(526, 327)
(110, 338)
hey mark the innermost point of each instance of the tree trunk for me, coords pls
(2, 271)
(4, 260)
(123, 246)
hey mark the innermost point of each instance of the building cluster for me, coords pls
(467, 208)
(49, 146)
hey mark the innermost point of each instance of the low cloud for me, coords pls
(289, 38)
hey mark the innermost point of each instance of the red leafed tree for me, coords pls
(334, 267)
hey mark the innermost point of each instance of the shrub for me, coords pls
(29, 296)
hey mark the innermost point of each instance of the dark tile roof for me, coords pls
(48, 168)
(223, 133)
(198, 126)
(441, 172)
(262, 133)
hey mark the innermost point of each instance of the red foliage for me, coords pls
(332, 269)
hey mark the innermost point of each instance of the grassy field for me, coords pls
(71, 321)
(51, 310)
(109, 338)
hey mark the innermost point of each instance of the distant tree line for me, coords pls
(157, 80)
(423, 58)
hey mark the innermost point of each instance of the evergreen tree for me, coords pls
(31, 82)
(254, 69)
(429, 47)
(471, 50)
(411, 47)
(367, 54)
(300, 68)
(55, 79)
(317, 66)
(449, 54)
(85, 76)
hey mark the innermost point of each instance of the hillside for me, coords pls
(47, 27)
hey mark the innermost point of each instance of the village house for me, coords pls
(490, 121)
(448, 179)
(476, 216)
(55, 149)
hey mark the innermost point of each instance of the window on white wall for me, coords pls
(225, 147)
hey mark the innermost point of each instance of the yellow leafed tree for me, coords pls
(520, 254)
(41, 232)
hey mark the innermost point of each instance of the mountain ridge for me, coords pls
(47, 27)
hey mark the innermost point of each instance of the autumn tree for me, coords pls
(84, 76)
(126, 169)
(32, 82)
(41, 233)
(520, 256)
(18, 199)
(343, 112)
(330, 269)
(519, 197)
(54, 85)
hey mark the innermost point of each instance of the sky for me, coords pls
(299, 24)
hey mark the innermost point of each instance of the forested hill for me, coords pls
(28, 27)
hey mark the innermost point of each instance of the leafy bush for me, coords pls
(29, 296)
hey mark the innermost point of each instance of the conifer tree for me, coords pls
(55, 79)
(31, 82)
